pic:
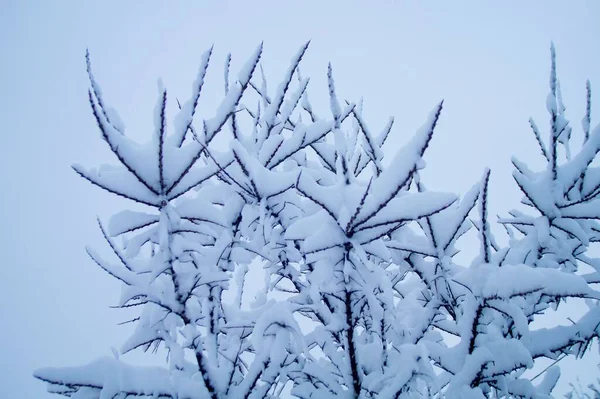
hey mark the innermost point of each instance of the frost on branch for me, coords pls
(297, 262)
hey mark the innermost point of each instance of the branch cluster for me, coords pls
(358, 293)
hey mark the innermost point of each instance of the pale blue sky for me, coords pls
(488, 60)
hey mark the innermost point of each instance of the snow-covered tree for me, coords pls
(295, 262)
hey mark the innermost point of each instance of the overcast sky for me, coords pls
(488, 60)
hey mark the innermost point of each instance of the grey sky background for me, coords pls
(488, 60)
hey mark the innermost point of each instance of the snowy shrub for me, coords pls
(295, 262)
(592, 391)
